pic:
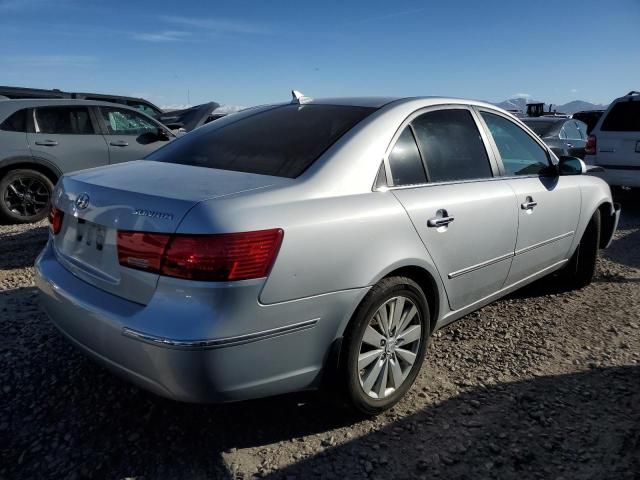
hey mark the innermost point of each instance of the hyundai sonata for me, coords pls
(257, 253)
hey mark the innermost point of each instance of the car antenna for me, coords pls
(299, 98)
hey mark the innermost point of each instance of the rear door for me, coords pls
(67, 136)
(619, 136)
(548, 205)
(129, 134)
(463, 212)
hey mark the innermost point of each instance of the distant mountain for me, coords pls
(568, 108)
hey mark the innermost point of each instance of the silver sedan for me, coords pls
(289, 243)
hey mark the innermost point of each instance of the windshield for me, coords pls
(282, 141)
(541, 128)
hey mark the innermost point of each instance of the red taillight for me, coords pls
(590, 147)
(55, 219)
(223, 257)
(141, 250)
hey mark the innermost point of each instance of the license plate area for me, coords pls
(90, 235)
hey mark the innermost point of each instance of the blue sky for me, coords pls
(250, 52)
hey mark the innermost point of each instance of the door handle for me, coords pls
(439, 221)
(119, 143)
(47, 143)
(442, 219)
(529, 204)
(569, 144)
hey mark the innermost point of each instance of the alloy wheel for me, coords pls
(26, 196)
(389, 347)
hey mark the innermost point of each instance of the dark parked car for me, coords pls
(42, 139)
(590, 117)
(141, 104)
(565, 136)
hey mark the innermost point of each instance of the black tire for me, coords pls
(582, 265)
(386, 290)
(33, 205)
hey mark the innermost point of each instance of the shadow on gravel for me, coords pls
(62, 416)
(584, 425)
(20, 250)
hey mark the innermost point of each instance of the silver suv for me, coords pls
(614, 143)
(42, 139)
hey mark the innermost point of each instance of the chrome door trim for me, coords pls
(543, 243)
(478, 266)
(213, 343)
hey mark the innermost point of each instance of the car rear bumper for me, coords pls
(185, 349)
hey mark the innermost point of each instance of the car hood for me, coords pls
(188, 118)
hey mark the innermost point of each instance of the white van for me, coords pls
(614, 143)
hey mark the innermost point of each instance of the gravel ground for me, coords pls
(543, 384)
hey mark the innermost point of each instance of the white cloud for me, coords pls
(165, 36)
(218, 25)
(574, 90)
(522, 95)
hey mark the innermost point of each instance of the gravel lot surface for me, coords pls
(543, 384)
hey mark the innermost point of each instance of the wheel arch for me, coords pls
(45, 167)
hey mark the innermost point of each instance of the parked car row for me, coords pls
(269, 250)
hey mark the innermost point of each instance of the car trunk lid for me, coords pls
(142, 196)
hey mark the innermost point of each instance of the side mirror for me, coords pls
(571, 166)
(163, 135)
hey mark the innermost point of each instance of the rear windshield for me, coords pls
(282, 141)
(623, 117)
(541, 127)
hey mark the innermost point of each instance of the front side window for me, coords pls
(143, 107)
(17, 122)
(125, 122)
(282, 141)
(451, 146)
(405, 162)
(521, 155)
(62, 120)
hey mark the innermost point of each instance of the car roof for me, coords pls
(544, 119)
(44, 102)
(379, 102)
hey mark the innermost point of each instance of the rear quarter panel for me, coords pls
(330, 243)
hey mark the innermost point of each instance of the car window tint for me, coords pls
(281, 141)
(125, 122)
(571, 131)
(582, 128)
(451, 146)
(521, 155)
(624, 116)
(541, 128)
(62, 120)
(405, 162)
(17, 122)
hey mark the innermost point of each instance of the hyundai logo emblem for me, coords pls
(82, 201)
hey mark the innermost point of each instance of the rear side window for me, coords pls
(62, 120)
(282, 141)
(623, 117)
(451, 146)
(521, 155)
(17, 122)
(405, 162)
(571, 131)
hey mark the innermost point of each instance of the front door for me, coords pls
(67, 137)
(130, 135)
(465, 217)
(548, 205)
